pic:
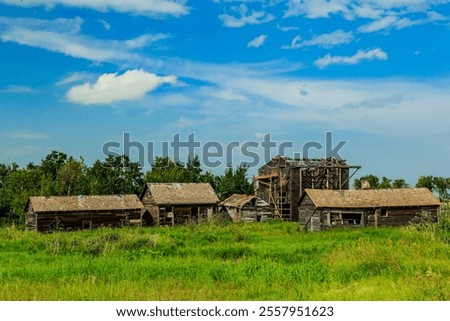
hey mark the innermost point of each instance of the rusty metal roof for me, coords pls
(84, 203)
(182, 193)
(402, 197)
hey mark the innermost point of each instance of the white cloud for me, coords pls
(63, 36)
(394, 22)
(74, 77)
(327, 40)
(286, 28)
(28, 135)
(315, 8)
(361, 55)
(16, 89)
(245, 17)
(380, 24)
(257, 42)
(105, 24)
(140, 7)
(373, 9)
(390, 105)
(435, 16)
(365, 10)
(144, 40)
(110, 88)
(225, 94)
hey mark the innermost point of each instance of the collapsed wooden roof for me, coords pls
(182, 193)
(330, 162)
(83, 203)
(238, 200)
(403, 197)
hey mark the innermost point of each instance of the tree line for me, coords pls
(61, 175)
(437, 184)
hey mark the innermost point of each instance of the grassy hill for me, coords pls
(225, 261)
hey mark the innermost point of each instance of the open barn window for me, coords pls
(384, 213)
(86, 225)
(351, 218)
(344, 218)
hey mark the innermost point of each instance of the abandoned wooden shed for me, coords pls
(282, 181)
(68, 213)
(178, 203)
(324, 209)
(250, 208)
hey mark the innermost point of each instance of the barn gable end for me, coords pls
(172, 204)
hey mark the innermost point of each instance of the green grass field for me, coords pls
(229, 261)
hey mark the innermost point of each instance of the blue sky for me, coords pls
(75, 74)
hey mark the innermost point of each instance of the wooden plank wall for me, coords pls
(69, 221)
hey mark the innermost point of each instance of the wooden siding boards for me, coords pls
(250, 208)
(323, 209)
(68, 213)
(172, 204)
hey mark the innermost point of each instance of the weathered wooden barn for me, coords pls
(178, 203)
(250, 208)
(282, 181)
(324, 209)
(69, 213)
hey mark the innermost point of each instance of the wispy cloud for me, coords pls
(257, 42)
(16, 89)
(286, 28)
(74, 77)
(315, 8)
(63, 36)
(110, 88)
(394, 22)
(245, 17)
(361, 55)
(350, 10)
(27, 135)
(327, 40)
(140, 7)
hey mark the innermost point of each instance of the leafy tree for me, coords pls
(193, 171)
(372, 179)
(437, 184)
(442, 187)
(71, 178)
(399, 183)
(385, 183)
(5, 197)
(20, 185)
(164, 170)
(52, 162)
(210, 178)
(115, 175)
(233, 182)
(426, 181)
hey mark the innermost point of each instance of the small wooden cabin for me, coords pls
(46, 214)
(324, 209)
(250, 208)
(178, 203)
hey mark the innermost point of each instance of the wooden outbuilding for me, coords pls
(324, 209)
(69, 213)
(282, 181)
(178, 203)
(250, 208)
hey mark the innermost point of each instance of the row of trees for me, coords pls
(437, 184)
(59, 174)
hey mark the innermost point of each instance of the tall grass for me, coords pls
(227, 261)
